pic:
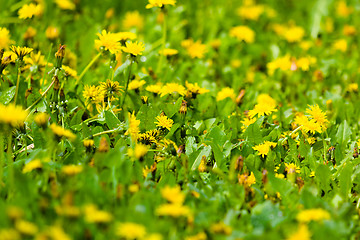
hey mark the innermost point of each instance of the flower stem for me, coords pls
(159, 66)
(87, 67)
(10, 165)
(17, 81)
(42, 95)
(1, 158)
(47, 62)
(127, 84)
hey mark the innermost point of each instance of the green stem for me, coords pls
(17, 82)
(1, 158)
(47, 62)
(105, 132)
(127, 85)
(87, 67)
(42, 95)
(163, 45)
(10, 165)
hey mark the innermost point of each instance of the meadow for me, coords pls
(179, 119)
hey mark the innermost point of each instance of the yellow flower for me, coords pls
(88, 143)
(173, 194)
(225, 93)
(291, 168)
(130, 231)
(340, 45)
(264, 148)
(123, 36)
(140, 150)
(220, 228)
(94, 215)
(251, 12)
(171, 88)
(283, 63)
(247, 180)
(155, 88)
(9, 234)
(342, 9)
(294, 34)
(349, 30)
(30, 10)
(134, 48)
(4, 38)
(302, 233)
(247, 122)
(199, 236)
(52, 32)
(35, 61)
(21, 52)
(353, 87)
(33, 164)
(92, 94)
(72, 170)
(312, 126)
(110, 89)
(164, 122)
(173, 210)
(194, 89)
(315, 214)
(263, 108)
(133, 126)
(109, 41)
(154, 236)
(160, 3)
(203, 163)
(65, 4)
(62, 132)
(305, 62)
(133, 19)
(69, 71)
(15, 116)
(195, 49)
(243, 33)
(26, 228)
(57, 233)
(135, 84)
(168, 52)
(318, 115)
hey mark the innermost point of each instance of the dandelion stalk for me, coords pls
(10, 165)
(42, 95)
(163, 44)
(1, 157)
(17, 81)
(127, 84)
(87, 68)
(47, 62)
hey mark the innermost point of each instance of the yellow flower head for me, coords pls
(130, 231)
(62, 132)
(173, 210)
(247, 122)
(4, 38)
(94, 215)
(318, 115)
(88, 143)
(302, 233)
(315, 214)
(65, 4)
(171, 88)
(33, 164)
(109, 41)
(263, 108)
(21, 52)
(30, 10)
(342, 9)
(30, 33)
(247, 180)
(15, 116)
(133, 19)
(220, 228)
(123, 36)
(225, 93)
(136, 84)
(160, 3)
(26, 228)
(264, 148)
(164, 122)
(291, 168)
(52, 32)
(133, 126)
(92, 94)
(134, 48)
(251, 12)
(173, 194)
(243, 33)
(194, 89)
(168, 52)
(72, 170)
(294, 34)
(194, 49)
(199, 236)
(340, 45)
(69, 71)
(155, 88)
(110, 89)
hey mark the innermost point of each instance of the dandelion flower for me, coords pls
(72, 170)
(15, 116)
(225, 93)
(62, 132)
(4, 38)
(340, 45)
(264, 148)
(52, 33)
(30, 10)
(110, 41)
(110, 89)
(171, 88)
(168, 52)
(134, 48)
(65, 4)
(136, 84)
(94, 215)
(243, 33)
(130, 231)
(302, 233)
(133, 19)
(173, 194)
(173, 210)
(160, 3)
(21, 52)
(134, 123)
(164, 122)
(315, 214)
(33, 164)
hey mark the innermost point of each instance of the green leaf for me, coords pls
(343, 134)
(206, 151)
(323, 176)
(253, 132)
(7, 96)
(111, 120)
(122, 68)
(345, 179)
